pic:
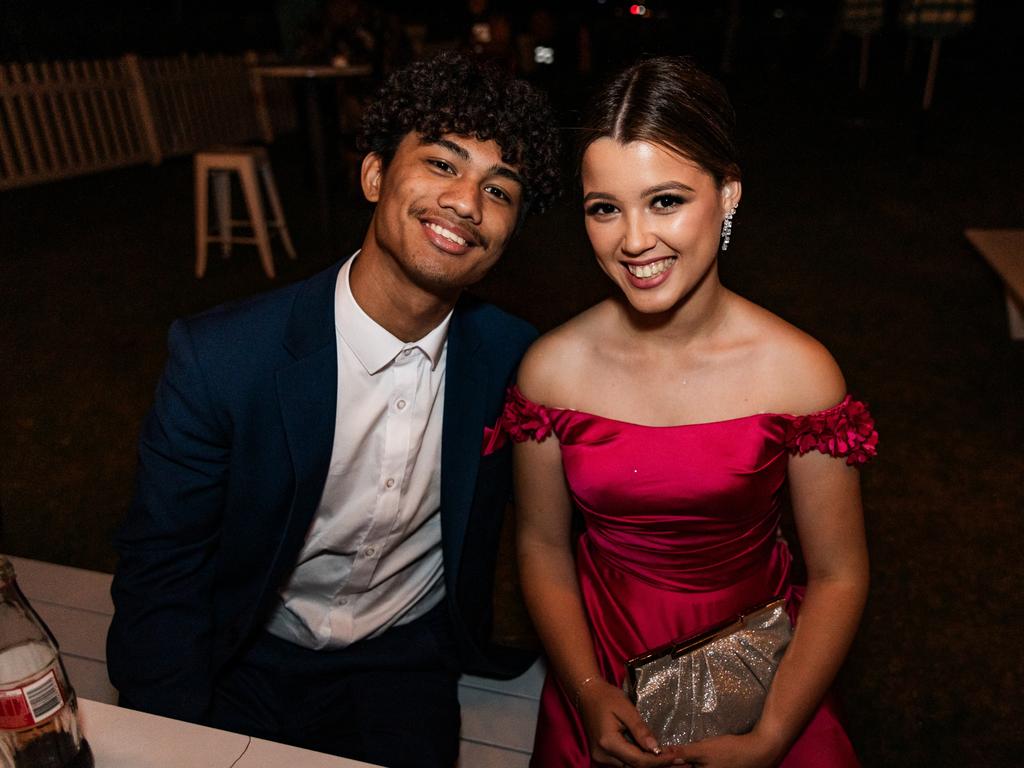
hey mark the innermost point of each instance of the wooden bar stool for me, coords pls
(217, 165)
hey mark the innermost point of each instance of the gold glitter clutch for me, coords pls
(713, 683)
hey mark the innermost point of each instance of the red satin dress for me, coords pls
(681, 533)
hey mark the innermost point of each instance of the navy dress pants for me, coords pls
(390, 700)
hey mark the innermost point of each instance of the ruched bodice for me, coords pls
(681, 533)
(689, 507)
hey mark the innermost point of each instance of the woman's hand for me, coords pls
(614, 729)
(751, 750)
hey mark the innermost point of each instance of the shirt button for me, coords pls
(343, 601)
(400, 405)
(390, 482)
(370, 552)
(406, 352)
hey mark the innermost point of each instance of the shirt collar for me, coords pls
(374, 346)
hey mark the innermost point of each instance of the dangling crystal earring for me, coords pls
(727, 228)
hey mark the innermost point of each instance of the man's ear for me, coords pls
(372, 176)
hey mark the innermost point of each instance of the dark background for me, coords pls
(851, 227)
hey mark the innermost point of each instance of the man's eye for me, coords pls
(441, 165)
(664, 202)
(499, 193)
(601, 209)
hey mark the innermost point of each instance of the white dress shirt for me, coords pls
(372, 555)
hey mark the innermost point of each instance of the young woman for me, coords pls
(672, 415)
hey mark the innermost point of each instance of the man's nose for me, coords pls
(464, 198)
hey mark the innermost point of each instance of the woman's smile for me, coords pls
(650, 273)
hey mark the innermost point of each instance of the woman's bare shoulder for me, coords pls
(556, 364)
(797, 373)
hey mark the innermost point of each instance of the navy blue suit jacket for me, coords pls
(233, 458)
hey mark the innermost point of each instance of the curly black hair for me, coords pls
(452, 93)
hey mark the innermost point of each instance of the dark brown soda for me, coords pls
(54, 749)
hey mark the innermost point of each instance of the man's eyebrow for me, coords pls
(451, 146)
(506, 172)
(460, 151)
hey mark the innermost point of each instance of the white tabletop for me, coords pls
(124, 738)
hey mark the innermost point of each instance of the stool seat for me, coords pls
(250, 163)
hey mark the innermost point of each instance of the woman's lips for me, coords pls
(651, 273)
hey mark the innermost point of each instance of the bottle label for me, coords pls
(31, 703)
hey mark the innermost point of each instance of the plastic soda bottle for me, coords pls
(39, 725)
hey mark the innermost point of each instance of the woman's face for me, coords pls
(654, 220)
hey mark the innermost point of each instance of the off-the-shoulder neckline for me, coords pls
(789, 416)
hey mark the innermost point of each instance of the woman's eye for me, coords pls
(600, 209)
(665, 202)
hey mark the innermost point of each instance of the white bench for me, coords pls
(1003, 249)
(498, 717)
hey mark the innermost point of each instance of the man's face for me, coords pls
(446, 209)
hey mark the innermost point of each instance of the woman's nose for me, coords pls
(637, 238)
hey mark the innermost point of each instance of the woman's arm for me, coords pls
(552, 595)
(827, 507)
(830, 524)
(825, 492)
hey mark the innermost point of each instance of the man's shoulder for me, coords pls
(263, 317)
(495, 325)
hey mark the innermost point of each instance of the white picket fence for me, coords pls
(63, 119)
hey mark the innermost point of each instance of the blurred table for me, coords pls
(124, 738)
(310, 74)
(1003, 249)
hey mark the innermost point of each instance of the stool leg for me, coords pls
(202, 218)
(222, 199)
(275, 205)
(251, 188)
(1015, 316)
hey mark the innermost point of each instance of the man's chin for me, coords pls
(443, 285)
(446, 283)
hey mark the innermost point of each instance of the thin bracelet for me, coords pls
(579, 688)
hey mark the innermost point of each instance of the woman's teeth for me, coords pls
(446, 233)
(650, 270)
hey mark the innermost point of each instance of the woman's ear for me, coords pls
(372, 176)
(732, 191)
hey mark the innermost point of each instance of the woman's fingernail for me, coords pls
(652, 745)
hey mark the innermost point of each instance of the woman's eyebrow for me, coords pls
(667, 186)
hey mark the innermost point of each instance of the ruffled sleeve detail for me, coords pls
(520, 419)
(845, 430)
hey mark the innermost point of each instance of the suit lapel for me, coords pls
(307, 396)
(464, 404)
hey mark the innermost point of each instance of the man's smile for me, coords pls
(456, 239)
(446, 233)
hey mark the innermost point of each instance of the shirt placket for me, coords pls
(397, 433)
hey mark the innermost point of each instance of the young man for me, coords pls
(309, 555)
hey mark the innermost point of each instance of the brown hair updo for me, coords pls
(669, 101)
